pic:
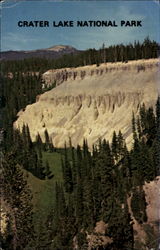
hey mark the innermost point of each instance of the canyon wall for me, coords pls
(91, 102)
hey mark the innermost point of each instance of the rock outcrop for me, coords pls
(91, 102)
(147, 234)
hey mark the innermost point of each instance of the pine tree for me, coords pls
(39, 144)
(29, 144)
(150, 126)
(114, 146)
(135, 138)
(155, 152)
(19, 198)
(139, 128)
(121, 147)
(138, 205)
(87, 195)
(120, 227)
(104, 165)
(68, 181)
(158, 112)
(48, 143)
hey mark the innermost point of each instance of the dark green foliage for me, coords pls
(134, 131)
(121, 146)
(120, 228)
(39, 145)
(158, 112)
(95, 184)
(104, 167)
(155, 153)
(63, 223)
(103, 181)
(18, 90)
(67, 173)
(114, 146)
(118, 146)
(16, 193)
(82, 242)
(31, 154)
(48, 146)
(142, 164)
(114, 53)
(93, 195)
(138, 205)
(147, 124)
(145, 153)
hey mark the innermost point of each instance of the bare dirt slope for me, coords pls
(91, 102)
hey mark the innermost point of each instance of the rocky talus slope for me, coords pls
(91, 102)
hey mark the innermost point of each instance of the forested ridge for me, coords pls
(114, 53)
(96, 184)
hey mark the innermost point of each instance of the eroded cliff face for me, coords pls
(91, 102)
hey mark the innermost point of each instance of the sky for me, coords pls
(23, 38)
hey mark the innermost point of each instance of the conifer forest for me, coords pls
(84, 187)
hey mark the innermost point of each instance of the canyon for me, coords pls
(91, 102)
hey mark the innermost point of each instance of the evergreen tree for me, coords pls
(67, 173)
(18, 195)
(138, 205)
(120, 228)
(121, 147)
(39, 145)
(158, 112)
(114, 146)
(104, 166)
(48, 143)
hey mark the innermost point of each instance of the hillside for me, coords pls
(145, 235)
(102, 197)
(49, 53)
(91, 102)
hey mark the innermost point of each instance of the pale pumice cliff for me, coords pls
(91, 102)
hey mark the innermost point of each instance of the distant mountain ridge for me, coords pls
(49, 53)
(59, 48)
